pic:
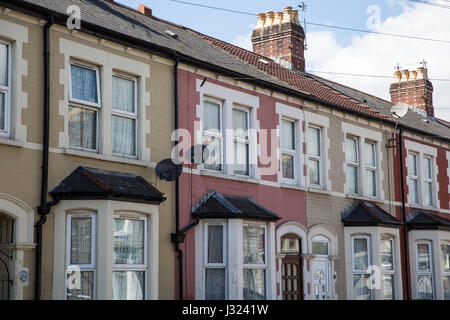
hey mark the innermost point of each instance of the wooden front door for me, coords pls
(291, 278)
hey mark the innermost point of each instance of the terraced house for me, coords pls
(300, 196)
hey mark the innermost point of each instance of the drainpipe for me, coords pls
(405, 232)
(44, 209)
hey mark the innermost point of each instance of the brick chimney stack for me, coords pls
(280, 36)
(415, 89)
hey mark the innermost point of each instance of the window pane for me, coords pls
(314, 141)
(370, 155)
(352, 179)
(290, 245)
(240, 124)
(2, 111)
(388, 286)
(80, 285)
(427, 169)
(352, 150)
(424, 288)
(387, 255)
(254, 245)
(360, 254)
(211, 116)
(254, 284)
(371, 183)
(123, 95)
(319, 247)
(82, 128)
(423, 257)
(413, 191)
(446, 286)
(123, 132)
(128, 241)
(288, 166)
(84, 84)
(81, 240)
(445, 257)
(3, 65)
(215, 284)
(360, 286)
(428, 194)
(287, 134)
(314, 172)
(240, 158)
(214, 161)
(128, 285)
(412, 165)
(215, 244)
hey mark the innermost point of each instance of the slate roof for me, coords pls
(426, 220)
(365, 213)
(220, 206)
(89, 183)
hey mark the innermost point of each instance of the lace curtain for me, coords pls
(81, 241)
(360, 253)
(3, 65)
(84, 84)
(123, 131)
(128, 285)
(82, 128)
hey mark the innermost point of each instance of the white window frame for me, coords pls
(356, 164)
(82, 267)
(87, 105)
(369, 259)
(256, 266)
(7, 92)
(133, 267)
(223, 265)
(389, 272)
(241, 140)
(317, 158)
(425, 273)
(428, 181)
(372, 168)
(129, 115)
(323, 239)
(444, 273)
(414, 177)
(215, 134)
(290, 152)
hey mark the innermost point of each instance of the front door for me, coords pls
(320, 272)
(291, 268)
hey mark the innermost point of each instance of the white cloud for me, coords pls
(377, 55)
(245, 40)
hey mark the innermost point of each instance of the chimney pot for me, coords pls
(295, 17)
(398, 75)
(287, 15)
(145, 10)
(261, 20)
(270, 15)
(405, 75)
(413, 75)
(278, 18)
(422, 73)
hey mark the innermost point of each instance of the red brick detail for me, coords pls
(417, 93)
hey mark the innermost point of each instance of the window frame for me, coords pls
(206, 264)
(419, 273)
(290, 152)
(129, 115)
(356, 164)
(5, 133)
(391, 272)
(373, 169)
(83, 267)
(414, 178)
(316, 158)
(443, 272)
(241, 140)
(369, 259)
(214, 134)
(322, 239)
(429, 181)
(133, 267)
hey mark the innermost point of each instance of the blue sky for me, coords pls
(332, 50)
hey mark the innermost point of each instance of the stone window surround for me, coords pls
(105, 211)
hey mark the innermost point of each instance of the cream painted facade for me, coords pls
(21, 150)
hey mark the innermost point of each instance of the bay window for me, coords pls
(424, 271)
(254, 262)
(84, 96)
(413, 178)
(288, 149)
(387, 268)
(315, 156)
(445, 261)
(4, 88)
(241, 141)
(212, 134)
(352, 156)
(124, 116)
(360, 265)
(371, 169)
(428, 181)
(129, 258)
(215, 261)
(80, 259)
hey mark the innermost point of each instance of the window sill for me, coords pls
(358, 197)
(292, 186)
(318, 190)
(419, 207)
(11, 142)
(221, 175)
(111, 158)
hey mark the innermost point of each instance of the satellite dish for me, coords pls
(197, 154)
(399, 110)
(166, 170)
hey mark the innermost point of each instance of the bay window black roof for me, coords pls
(221, 206)
(89, 183)
(365, 213)
(427, 220)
